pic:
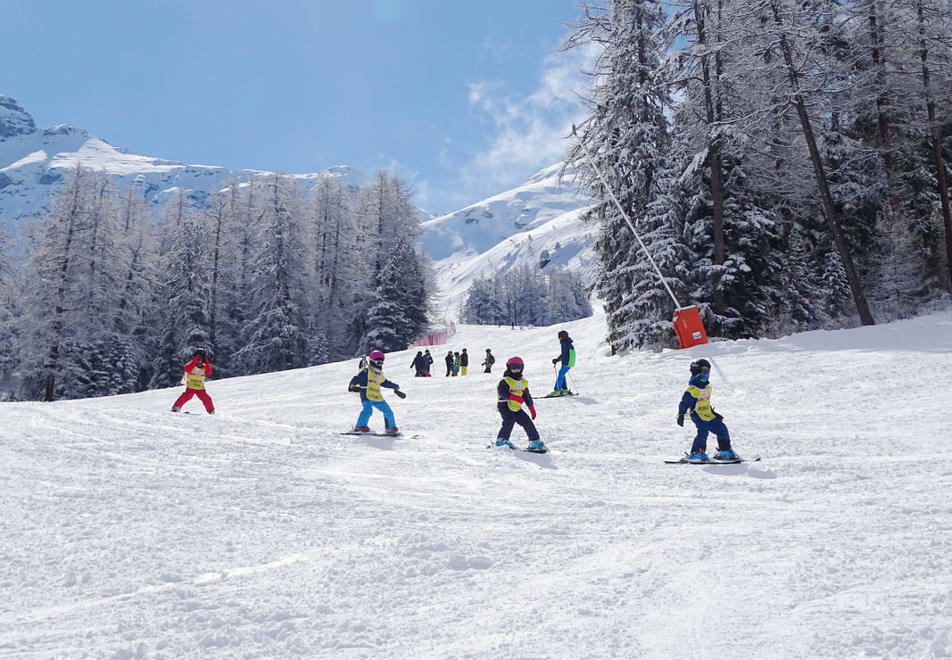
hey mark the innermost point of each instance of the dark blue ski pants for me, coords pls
(511, 418)
(715, 426)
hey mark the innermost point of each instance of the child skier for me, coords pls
(368, 383)
(567, 358)
(697, 400)
(196, 371)
(513, 391)
(489, 361)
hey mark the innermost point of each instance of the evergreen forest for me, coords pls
(110, 300)
(784, 163)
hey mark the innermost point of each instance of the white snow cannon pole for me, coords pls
(687, 320)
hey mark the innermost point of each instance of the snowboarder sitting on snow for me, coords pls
(697, 401)
(513, 391)
(368, 383)
(196, 371)
(567, 358)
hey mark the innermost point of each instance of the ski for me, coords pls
(544, 450)
(713, 461)
(557, 396)
(375, 434)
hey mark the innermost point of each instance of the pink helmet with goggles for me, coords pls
(515, 362)
(376, 355)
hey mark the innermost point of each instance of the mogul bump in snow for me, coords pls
(513, 391)
(196, 371)
(697, 400)
(368, 383)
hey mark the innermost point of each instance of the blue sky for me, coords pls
(460, 98)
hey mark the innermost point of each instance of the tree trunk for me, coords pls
(826, 199)
(712, 108)
(941, 181)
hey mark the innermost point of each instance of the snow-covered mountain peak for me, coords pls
(14, 120)
(537, 223)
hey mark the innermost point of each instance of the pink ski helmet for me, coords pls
(515, 362)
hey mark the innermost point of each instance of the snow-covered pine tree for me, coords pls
(181, 314)
(626, 134)
(400, 309)
(337, 266)
(482, 306)
(277, 336)
(54, 326)
(107, 360)
(567, 298)
(9, 311)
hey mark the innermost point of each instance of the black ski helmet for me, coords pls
(700, 366)
(201, 352)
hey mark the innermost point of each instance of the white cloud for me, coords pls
(529, 129)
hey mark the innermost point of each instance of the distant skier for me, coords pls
(420, 365)
(513, 392)
(488, 362)
(456, 363)
(429, 361)
(449, 363)
(463, 362)
(196, 371)
(368, 383)
(567, 358)
(697, 400)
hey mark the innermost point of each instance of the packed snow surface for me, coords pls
(132, 532)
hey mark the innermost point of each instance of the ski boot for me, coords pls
(393, 430)
(362, 429)
(554, 393)
(697, 457)
(500, 442)
(537, 447)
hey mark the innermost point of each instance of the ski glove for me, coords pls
(532, 411)
(400, 394)
(680, 419)
(555, 360)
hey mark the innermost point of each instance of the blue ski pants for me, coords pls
(560, 379)
(715, 426)
(368, 410)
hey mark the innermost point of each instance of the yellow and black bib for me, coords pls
(196, 381)
(374, 392)
(703, 402)
(516, 388)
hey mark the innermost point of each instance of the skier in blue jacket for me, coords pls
(697, 400)
(567, 358)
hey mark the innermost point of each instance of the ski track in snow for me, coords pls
(130, 532)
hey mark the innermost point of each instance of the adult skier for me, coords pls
(567, 358)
